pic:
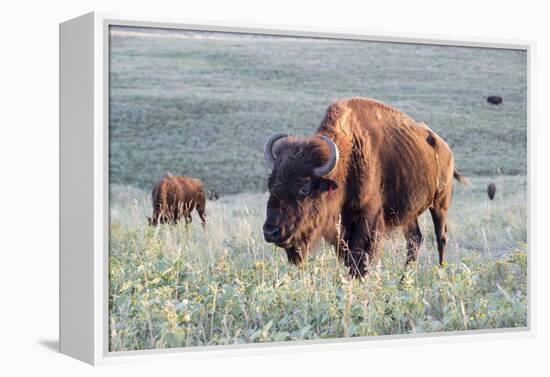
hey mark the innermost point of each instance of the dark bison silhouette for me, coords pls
(368, 168)
(494, 100)
(491, 190)
(213, 195)
(175, 197)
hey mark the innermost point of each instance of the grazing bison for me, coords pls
(368, 168)
(494, 100)
(175, 197)
(491, 190)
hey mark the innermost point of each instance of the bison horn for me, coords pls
(331, 164)
(268, 148)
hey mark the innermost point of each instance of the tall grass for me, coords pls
(175, 287)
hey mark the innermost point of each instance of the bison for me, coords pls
(368, 169)
(175, 197)
(491, 190)
(213, 195)
(494, 100)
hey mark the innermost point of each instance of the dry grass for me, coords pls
(172, 287)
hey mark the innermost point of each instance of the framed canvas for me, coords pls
(244, 189)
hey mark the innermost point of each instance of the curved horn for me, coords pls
(268, 148)
(331, 164)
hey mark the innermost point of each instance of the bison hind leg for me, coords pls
(414, 238)
(439, 217)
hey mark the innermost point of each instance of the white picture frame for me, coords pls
(84, 187)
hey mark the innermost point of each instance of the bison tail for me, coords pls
(462, 179)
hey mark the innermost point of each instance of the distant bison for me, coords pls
(175, 197)
(213, 195)
(367, 169)
(491, 190)
(494, 100)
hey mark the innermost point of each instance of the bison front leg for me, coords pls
(294, 256)
(414, 238)
(188, 220)
(365, 236)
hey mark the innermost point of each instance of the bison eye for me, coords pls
(305, 189)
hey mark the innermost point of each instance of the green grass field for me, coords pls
(173, 287)
(203, 104)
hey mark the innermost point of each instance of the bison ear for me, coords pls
(328, 185)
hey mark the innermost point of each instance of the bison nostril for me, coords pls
(271, 229)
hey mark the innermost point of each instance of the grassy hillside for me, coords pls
(173, 287)
(202, 105)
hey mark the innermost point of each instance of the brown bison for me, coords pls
(175, 197)
(368, 168)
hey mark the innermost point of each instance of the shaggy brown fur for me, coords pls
(175, 197)
(390, 170)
